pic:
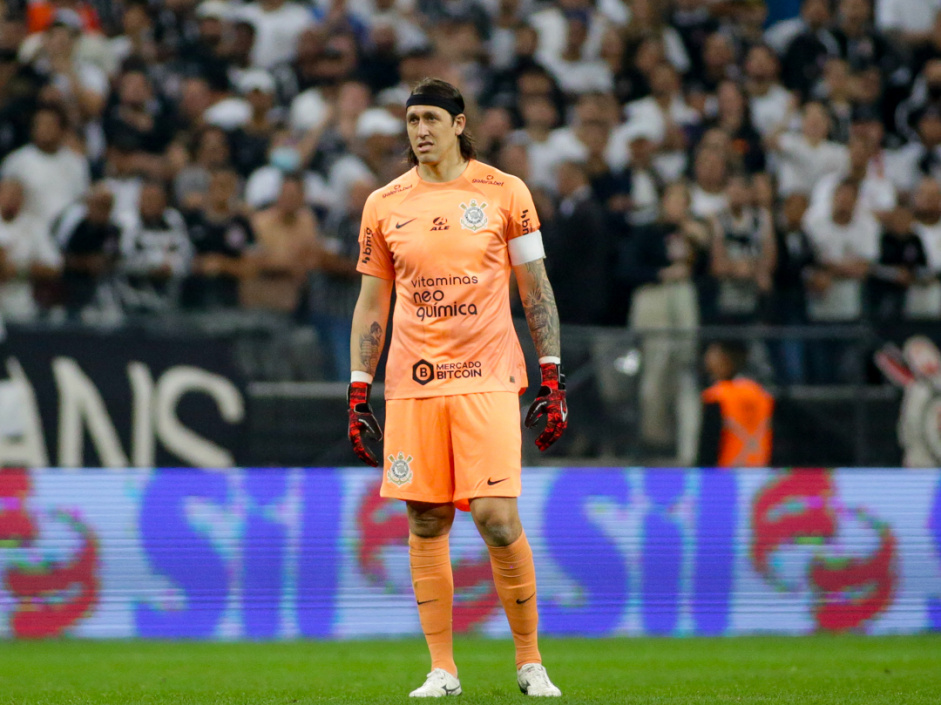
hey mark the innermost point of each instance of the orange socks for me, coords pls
(433, 582)
(514, 575)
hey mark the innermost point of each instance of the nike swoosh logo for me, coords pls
(448, 690)
(565, 412)
(425, 602)
(520, 602)
(402, 225)
(497, 482)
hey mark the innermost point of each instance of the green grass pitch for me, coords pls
(820, 669)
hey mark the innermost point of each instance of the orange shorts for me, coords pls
(451, 449)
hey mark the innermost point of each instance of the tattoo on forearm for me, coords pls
(370, 345)
(541, 312)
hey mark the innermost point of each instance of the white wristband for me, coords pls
(360, 376)
(549, 360)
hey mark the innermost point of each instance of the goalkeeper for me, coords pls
(446, 236)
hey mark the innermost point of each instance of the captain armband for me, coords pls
(526, 248)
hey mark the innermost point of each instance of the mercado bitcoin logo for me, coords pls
(423, 372)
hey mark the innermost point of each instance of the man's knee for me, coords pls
(497, 520)
(429, 521)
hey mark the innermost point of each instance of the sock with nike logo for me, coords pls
(514, 575)
(433, 582)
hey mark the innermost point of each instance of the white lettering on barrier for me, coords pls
(81, 405)
(178, 439)
(81, 409)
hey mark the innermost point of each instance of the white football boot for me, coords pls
(533, 680)
(438, 684)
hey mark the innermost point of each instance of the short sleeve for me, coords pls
(523, 219)
(375, 258)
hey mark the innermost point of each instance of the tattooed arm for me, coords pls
(539, 304)
(370, 319)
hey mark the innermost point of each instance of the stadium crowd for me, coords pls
(690, 164)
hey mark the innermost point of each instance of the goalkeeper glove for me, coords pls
(363, 422)
(550, 402)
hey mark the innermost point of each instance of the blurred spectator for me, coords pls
(124, 170)
(836, 91)
(579, 249)
(808, 156)
(869, 52)
(155, 252)
(794, 272)
(805, 55)
(278, 24)
(251, 140)
(211, 150)
(574, 68)
(902, 262)
(20, 86)
(288, 248)
(908, 20)
(221, 235)
(334, 286)
(710, 173)
(769, 101)
(668, 117)
(52, 174)
(135, 113)
(81, 85)
(28, 255)
(137, 40)
(659, 262)
(743, 254)
(734, 118)
(876, 194)
(693, 23)
(717, 64)
(924, 299)
(90, 244)
(846, 238)
(737, 412)
(920, 157)
(647, 21)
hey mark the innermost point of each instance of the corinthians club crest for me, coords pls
(474, 217)
(399, 471)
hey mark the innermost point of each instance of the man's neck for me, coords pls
(444, 171)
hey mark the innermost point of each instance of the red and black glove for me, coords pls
(363, 422)
(550, 403)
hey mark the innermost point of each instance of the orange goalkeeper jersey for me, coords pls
(446, 246)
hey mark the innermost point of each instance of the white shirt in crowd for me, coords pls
(801, 165)
(876, 193)
(902, 165)
(771, 110)
(833, 242)
(276, 31)
(906, 15)
(706, 205)
(50, 181)
(146, 249)
(25, 242)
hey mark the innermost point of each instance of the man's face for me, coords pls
(844, 202)
(153, 201)
(47, 131)
(854, 12)
(926, 200)
(432, 132)
(222, 188)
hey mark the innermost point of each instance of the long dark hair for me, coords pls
(435, 86)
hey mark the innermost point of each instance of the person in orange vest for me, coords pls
(737, 412)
